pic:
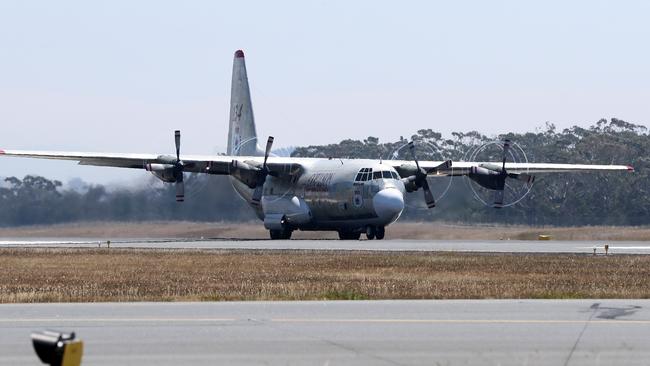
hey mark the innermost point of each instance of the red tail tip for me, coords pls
(629, 167)
(239, 54)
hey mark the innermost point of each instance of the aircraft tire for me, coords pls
(283, 234)
(380, 232)
(349, 235)
(275, 234)
(370, 232)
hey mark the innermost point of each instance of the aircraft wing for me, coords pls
(440, 168)
(221, 164)
(136, 161)
(208, 164)
(489, 175)
(463, 167)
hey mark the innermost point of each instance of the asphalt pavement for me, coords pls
(443, 332)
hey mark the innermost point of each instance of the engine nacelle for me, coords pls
(275, 221)
(245, 173)
(486, 178)
(409, 171)
(410, 185)
(164, 172)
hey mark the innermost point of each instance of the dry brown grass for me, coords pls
(255, 230)
(88, 275)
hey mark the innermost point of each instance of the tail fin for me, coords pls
(242, 137)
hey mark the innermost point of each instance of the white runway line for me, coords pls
(386, 246)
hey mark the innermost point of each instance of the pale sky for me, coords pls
(120, 76)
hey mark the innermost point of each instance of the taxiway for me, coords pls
(492, 246)
(479, 332)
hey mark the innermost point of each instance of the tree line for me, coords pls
(554, 199)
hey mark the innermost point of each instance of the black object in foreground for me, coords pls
(57, 348)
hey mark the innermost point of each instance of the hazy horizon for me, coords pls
(121, 76)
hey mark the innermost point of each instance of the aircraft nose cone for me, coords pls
(388, 204)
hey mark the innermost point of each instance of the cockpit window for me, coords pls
(367, 174)
(364, 174)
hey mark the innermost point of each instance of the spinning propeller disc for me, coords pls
(439, 186)
(493, 151)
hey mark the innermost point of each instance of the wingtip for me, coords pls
(630, 168)
(2, 152)
(239, 54)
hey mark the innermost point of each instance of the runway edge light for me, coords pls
(57, 348)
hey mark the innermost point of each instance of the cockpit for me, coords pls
(366, 174)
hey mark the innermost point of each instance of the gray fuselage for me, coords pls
(336, 194)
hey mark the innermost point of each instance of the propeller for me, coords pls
(501, 178)
(493, 176)
(178, 169)
(262, 174)
(420, 179)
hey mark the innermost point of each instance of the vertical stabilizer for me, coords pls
(242, 137)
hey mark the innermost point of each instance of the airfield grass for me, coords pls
(255, 230)
(93, 275)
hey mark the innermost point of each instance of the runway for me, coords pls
(479, 332)
(493, 246)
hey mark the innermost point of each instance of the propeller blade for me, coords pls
(177, 140)
(269, 145)
(262, 174)
(180, 189)
(428, 196)
(420, 177)
(499, 193)
(412, 150)
(257, 195)
(498, 198)
(506, 149)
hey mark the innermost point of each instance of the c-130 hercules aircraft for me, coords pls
(350, 196)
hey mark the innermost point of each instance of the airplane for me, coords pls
(349, 196)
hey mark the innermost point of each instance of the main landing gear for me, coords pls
(375, 232)
(349, 235)
(284, 234)
(372, 232)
